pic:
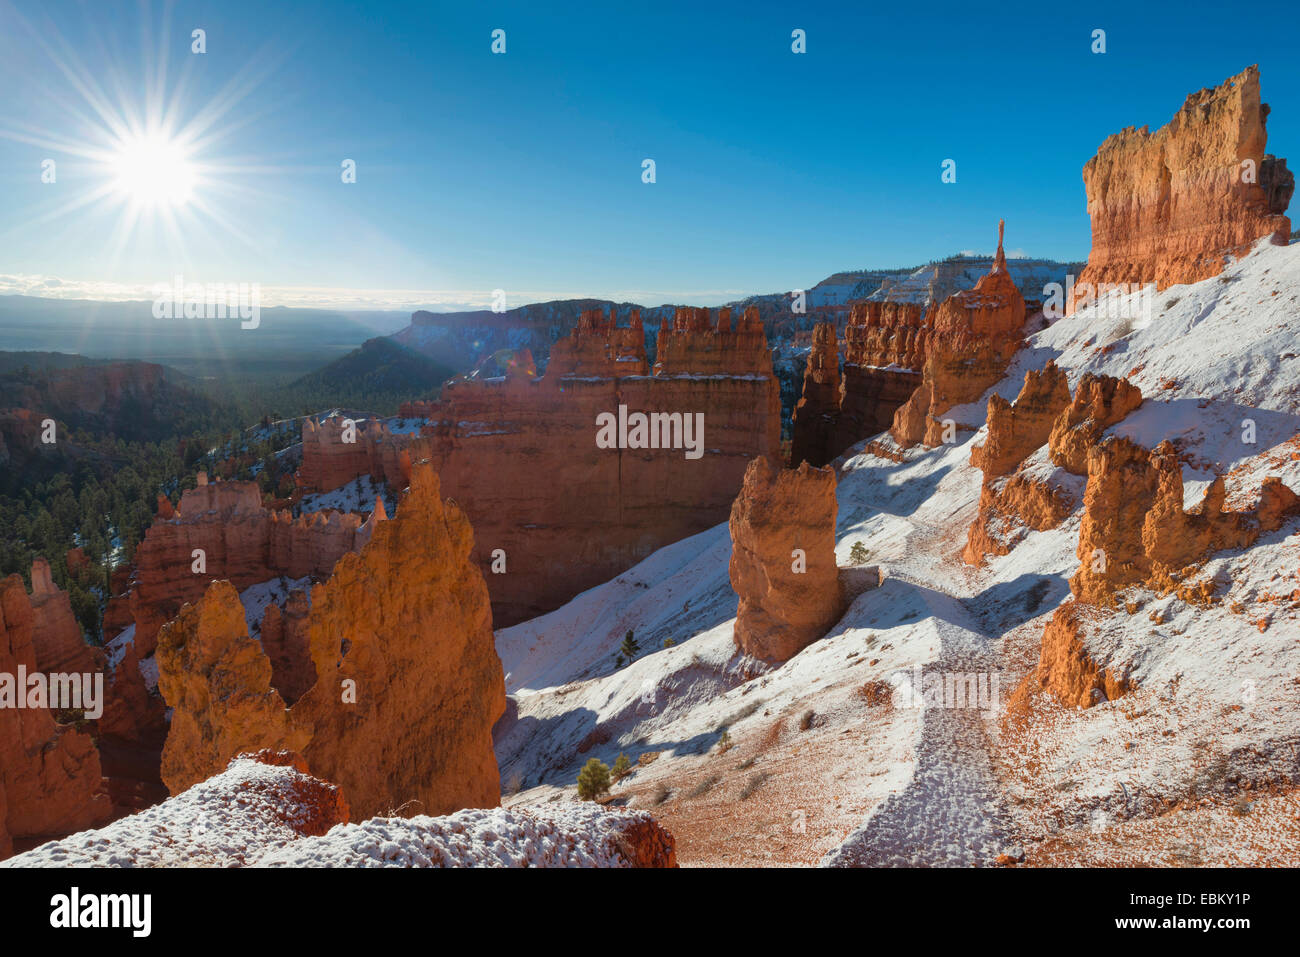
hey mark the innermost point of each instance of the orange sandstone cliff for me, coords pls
(1168, 207)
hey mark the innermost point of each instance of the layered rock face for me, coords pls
(520, 455)
(50, 780)
(975, 333)
(406, 683)
(1065, 668)
(241, 542)
(56, 635)
(783, 559)
(1168, 207)
(884, 350)
(335, 452)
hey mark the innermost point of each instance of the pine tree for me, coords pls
(593, 780)
(629, 648)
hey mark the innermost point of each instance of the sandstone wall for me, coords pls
(1168, 207)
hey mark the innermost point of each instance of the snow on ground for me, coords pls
(255, 814)
(356, 496)
(225, 821)
(877, 784)
(574, 835)
(256, 598)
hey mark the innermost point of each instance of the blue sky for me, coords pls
(522, 171)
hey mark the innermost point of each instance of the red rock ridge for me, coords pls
(1168, 207)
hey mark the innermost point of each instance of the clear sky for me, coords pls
(523, 170)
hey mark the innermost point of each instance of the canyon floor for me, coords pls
(1197, 764)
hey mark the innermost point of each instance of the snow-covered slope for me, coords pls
(814, 765)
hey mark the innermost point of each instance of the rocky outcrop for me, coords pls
(50, 781)
(974, 334)
(1136, 531)
(217, 681)
(270, 810)
(56, 636)
(1099, 402)
(406, 680)
(783, 559)
(817, 413)
(1017, 429)
(603, 506)
(241, 542)
(1065, 669)
(1169, 207)
(338, 450)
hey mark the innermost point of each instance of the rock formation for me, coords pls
(284, 638)
(974, 334)
(553, 512)
(217, 681)
(241, 542)
(269, 810)
(1099, 402)
(336, 451)
(1168, 207)
(56, 635)
(408, 679)
(50, 780)
(259, 803)
(406, 683)
(1065, 668)
(816, 415)
(783, 559)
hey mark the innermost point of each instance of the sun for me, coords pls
(153, 170)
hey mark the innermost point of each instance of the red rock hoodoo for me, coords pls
(1168, 207)
(783, 559)
(406, 680)
(974, 334)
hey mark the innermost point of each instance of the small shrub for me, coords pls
(668, 643)
(858, 553)
(622, 767)
(593, 780)
(807, 719)
(753, 784)
(724, 742)
(704, 787)
(660, 794)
